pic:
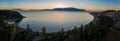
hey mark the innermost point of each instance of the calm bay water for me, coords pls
(54, 20)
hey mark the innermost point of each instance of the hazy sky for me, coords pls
(48, 4)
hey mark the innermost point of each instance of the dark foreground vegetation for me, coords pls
(96, 30)
(8, 14)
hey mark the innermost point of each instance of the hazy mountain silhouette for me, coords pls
(65, 9)
(56, 9)
(68, 9)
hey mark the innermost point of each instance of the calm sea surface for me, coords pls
(54, 20)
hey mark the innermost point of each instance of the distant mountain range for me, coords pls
(55, 9)
(65, 9)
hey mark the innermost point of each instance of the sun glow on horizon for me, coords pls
(60, 5)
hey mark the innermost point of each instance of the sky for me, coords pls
(49, 4)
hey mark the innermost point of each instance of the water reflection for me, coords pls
(18, 20)
(54, 20)
(14, 21)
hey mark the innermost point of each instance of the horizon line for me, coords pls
(89, 9)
